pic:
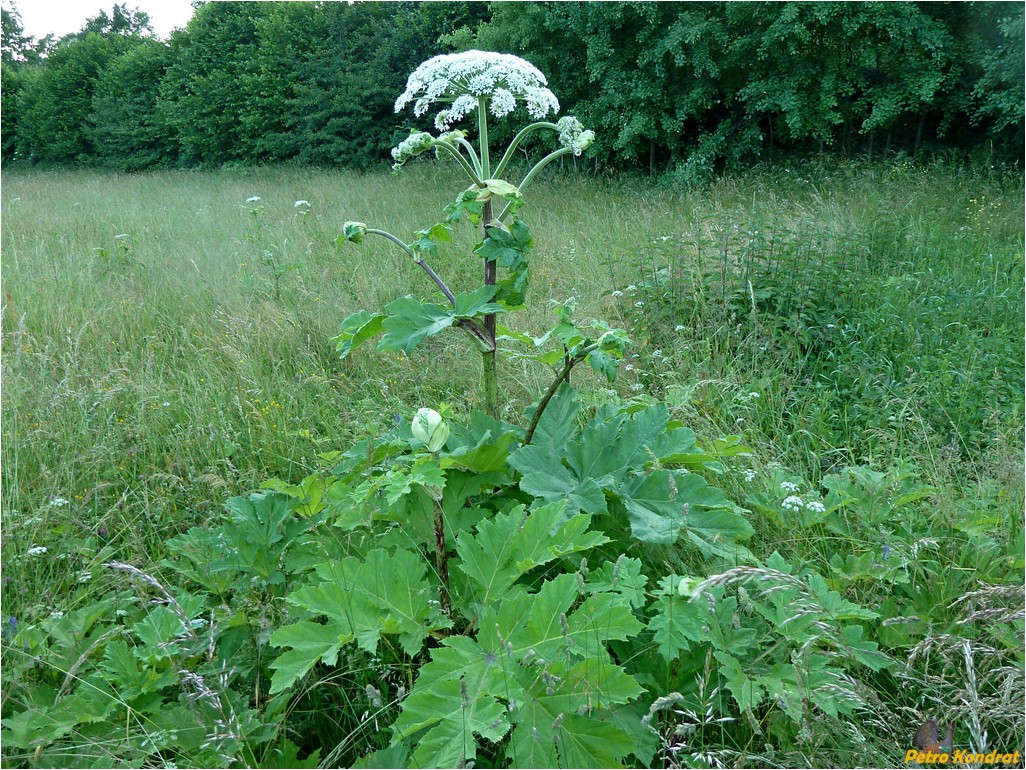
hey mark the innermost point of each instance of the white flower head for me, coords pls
(301, 204)
(793, 503)
(462, 79)
(36, 550)
(253, 199)
(410, 147)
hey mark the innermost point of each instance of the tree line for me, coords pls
(690, 87)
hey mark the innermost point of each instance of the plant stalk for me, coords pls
(563, 376)
(442, 559)
(489, 364)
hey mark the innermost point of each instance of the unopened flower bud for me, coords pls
(354, 231)
(429, 428)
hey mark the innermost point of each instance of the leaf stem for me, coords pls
(482, 135)
(537, 167)
(564, 374)
(472, 172)
(508, 156)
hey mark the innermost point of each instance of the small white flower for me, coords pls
(639, 304)
(753, 394)
(787, 486)
(792, 503)
(85, 576)
(632, 287)
(815, 506)
(678, 328)
(657, 353)
(166, 403)
(750, 476)
(299, 204)
(58, 502)
(254, 199)
(629, 368)
(56, 614)
(617, 293)
(36, 550)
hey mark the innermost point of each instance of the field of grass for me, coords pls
(167, 345)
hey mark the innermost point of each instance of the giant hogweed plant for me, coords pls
(485, 84)
(496, 594)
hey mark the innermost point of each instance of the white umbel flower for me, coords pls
(460, 79)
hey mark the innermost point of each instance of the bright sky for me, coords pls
(60, 17)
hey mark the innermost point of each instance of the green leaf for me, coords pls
(386, 593)
(676, 622)
(586, 742)
(452, 700)
(477, 302)
(310, 643)
(508, 545)
(409, 321)
(655, 512)
(507, 248)
(544, 477)
(746, 691)
(356, 330)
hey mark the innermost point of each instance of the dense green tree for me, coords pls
(127, 128)
(208, 88)
(56, 100)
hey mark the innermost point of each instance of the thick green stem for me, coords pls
(508, 155)
(537, 167)
(442, 558)
(489, 363)
(473, 173)
(482, 135)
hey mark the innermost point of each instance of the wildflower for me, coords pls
(753, 394)
(815, 506)
(57, 502)
(678, 328)
(166, 403)
(254, 199)
(792, 503)
(299, 204)
(36, 550)
(85, 576)
(787, 486)
(617, 293)
(639, 304)
(57, 614)
(463, 79)
(750, 476)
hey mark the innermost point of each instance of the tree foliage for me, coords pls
(689, 87)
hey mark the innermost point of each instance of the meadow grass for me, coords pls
(167, 341)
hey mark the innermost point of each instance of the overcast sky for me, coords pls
(42, 17)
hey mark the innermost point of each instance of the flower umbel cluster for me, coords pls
(573, 135)
(411, 146)
(461, 80)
